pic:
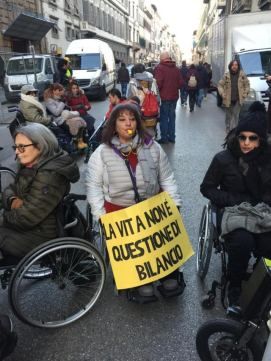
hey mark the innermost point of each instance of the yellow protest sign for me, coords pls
(146, 241)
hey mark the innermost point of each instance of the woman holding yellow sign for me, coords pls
(127, 168)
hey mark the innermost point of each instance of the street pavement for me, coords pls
(115, 329)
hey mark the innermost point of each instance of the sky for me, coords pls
(183, 17)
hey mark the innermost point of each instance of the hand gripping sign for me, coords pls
(146, 241)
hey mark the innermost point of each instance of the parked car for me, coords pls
(22, 70)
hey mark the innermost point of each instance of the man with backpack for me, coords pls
(169, 81)
(123, 78)
(192, 86)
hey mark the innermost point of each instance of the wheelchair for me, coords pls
(59, 281)
(95, 140)
(208, 240)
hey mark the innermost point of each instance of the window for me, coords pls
(256, 63)
(67, 6)
(68, 31)
(48, 67)
(76, 8)
(85, 61)
(23, 66)
(55, 28)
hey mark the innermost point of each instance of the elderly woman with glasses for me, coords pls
(242, 173)
(44, 176)
(129, 166)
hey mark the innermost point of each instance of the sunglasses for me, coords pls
(21, 147)
(251, 138)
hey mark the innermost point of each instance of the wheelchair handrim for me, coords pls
(19, 277)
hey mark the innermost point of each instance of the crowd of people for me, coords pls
(130, 165)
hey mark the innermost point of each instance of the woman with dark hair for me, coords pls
(109, 180)
(242, 173)
(44, 176)
(62, 117)
(78, 101)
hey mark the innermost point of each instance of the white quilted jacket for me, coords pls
(104, 165)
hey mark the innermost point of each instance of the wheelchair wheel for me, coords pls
(71, 284)
(218, 340)
(205, 242)
(7, 177)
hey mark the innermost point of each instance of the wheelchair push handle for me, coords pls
(13, 108)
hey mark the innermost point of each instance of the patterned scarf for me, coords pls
(145, 160)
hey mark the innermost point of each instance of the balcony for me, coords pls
(241, 6)
(206, 1)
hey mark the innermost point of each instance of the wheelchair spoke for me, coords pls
(63, 295)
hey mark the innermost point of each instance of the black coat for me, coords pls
(123, 75)
(224, 183)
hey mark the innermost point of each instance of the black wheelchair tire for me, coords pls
(205, 242)
(20, 273)
(8, 171)
(231, 327)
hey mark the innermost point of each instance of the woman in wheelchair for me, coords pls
(31, 108)
(44, 176)
(242, 173)
(126, 168)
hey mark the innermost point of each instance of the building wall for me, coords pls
(66, 15)
(8, 13)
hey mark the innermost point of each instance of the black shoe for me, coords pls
(161, 141)
(191, 110)
(234, 308)
(172, 287)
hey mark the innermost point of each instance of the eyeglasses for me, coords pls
(251, 138)
(21, 147)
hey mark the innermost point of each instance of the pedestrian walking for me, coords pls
(233, 88)
(169, 81)
(192, 86)
(184, 91)
(210, 75)
(127, 167)
(203, 79)
(123, 78)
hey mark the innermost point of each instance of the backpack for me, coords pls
(192, 82)
(150, 106)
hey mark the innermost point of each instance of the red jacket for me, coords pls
(169, 80)
(111, 107)
(74, 102)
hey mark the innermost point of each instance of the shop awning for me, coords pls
(29, 27)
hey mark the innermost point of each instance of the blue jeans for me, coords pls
(184, 95)
(123, 89)
(167, 120)
(200, 96)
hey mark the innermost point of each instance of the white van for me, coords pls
(21, 70)
(93, 66)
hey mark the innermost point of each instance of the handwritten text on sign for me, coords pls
(146, 241)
